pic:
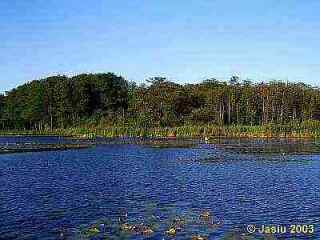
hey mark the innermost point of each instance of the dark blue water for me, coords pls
(53, 195)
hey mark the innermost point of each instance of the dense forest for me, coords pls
(109, 100)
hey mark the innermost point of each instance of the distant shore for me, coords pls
(201, 132)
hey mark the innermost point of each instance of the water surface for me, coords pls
(54, 195)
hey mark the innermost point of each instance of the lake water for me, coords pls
(60, 195)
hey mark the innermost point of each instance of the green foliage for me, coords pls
(59, 101)
(107, 104)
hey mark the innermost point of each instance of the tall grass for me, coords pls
(308, 129)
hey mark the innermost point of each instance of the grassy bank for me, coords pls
(303, 130)
(267, 131)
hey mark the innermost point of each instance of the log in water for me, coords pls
(27, 147)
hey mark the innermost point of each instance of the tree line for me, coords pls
(110, 100)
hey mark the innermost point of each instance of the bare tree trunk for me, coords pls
(238, 109)
(51, 122)
(263, 110)
(294, 113)
(229, 111)
(282, 108)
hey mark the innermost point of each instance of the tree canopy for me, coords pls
(61, 101)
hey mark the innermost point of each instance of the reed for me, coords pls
(308, 129)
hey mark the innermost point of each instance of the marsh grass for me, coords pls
(307, 129)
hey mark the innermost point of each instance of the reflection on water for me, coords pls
(268, 146)
(136, 191)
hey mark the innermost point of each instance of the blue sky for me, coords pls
(186, 41)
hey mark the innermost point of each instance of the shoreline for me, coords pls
(81, 142)
(201, 131)
(204, 138)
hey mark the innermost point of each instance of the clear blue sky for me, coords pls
(185, 41)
